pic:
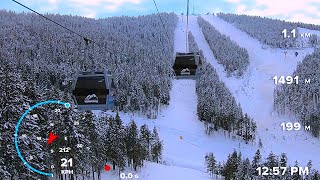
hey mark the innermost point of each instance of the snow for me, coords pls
(159, 172)
(185, 142)
(156, 171)
(180, 35)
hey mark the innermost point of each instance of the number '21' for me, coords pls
(65, 162)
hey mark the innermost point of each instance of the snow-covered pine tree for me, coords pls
(219, 169)
(283, 160)
(272, 161)
(132, 144)
(296, 176)
(121, 142)
(156, 146)
(115, 142)
(231, 166)
(145, 138)
(309, 176)
(256, 162)
(211, 164)
(246, 170)
(288, 175)
(316, 175)
(85, 134)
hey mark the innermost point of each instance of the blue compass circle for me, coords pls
(66, 105)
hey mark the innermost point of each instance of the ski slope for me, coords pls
(185, 143)
(255, 90)
(184, 139)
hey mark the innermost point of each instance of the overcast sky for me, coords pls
(293, 10)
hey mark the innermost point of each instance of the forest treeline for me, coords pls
(216, 107)
(229, 54)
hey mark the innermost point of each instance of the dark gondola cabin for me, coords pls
(94, 91)
(186, 65)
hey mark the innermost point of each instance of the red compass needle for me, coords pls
(52, 137)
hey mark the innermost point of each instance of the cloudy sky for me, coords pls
(293, 10)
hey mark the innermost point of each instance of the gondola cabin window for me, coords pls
(91, 90)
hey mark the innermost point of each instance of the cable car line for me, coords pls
(155, 4)
(187, 31)
(85, 38)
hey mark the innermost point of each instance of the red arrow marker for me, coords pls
(51, 138)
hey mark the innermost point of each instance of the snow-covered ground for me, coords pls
(185, 143)
(154, 171)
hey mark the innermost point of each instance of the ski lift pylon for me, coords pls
(94, 91)
(186, 65)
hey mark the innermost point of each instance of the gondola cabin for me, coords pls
(186, 66)
(94, 91)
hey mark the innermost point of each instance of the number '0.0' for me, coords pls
(129, 176)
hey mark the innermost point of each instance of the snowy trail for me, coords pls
(180, 130)
(180, 35)
(255, 90)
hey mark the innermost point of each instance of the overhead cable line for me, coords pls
(85, 38)
(155, 4)
(187, 31)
